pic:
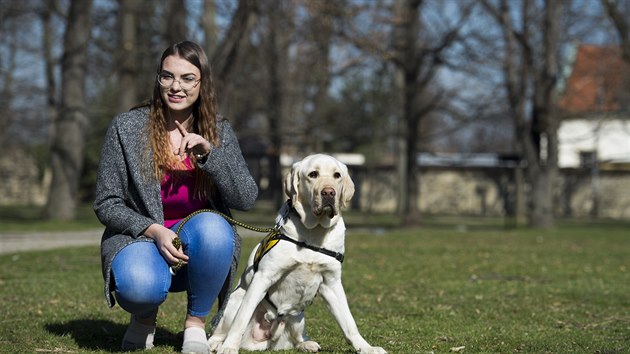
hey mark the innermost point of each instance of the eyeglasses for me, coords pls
(186, 83)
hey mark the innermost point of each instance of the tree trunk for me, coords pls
(535, 129)
(50, 62)
(68, 136)
(209, 25)
(127, 54)
(226, 52)
(411, 211)
(320, 76)
(621, 23)
(274, 98)
(408, 64)
(176, 28)
(7, 93)
(541, 207)
(519, 195)
(544, 121)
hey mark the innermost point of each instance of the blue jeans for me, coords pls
(142, 275)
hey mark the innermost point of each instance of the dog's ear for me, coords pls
(291, 181)
(347, 188)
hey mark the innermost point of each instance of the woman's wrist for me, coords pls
(153, 231)
(201, 158)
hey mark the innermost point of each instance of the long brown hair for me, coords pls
(204, 120)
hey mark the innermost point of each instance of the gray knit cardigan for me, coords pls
(127, 201)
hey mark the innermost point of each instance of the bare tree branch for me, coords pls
(226, 52)
(620, 20)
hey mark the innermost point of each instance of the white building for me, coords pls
(595, 104)
(579, 140)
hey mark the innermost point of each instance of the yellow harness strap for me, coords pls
(265, 246)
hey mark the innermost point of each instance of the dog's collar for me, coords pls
(282, 219)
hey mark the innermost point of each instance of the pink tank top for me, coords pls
(178, 199)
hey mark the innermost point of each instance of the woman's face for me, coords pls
(179, 82)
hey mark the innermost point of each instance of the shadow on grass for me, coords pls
(105, 335)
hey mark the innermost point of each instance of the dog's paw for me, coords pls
(309, 346)
(372, 350)
(215, 344)
(224, 350)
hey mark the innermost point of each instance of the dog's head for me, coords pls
(319, 186)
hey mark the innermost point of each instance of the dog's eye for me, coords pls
(337, 175)
(313, 174)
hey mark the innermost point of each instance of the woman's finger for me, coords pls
(181, 128)
(169, 256)
(177, 252)
(179, 255)
(190, 141)
(194, 143)
(172, 254)
(183, 147)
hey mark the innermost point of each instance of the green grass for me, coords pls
(26, 218)
(417, 290)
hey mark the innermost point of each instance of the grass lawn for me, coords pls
(421, 290)
(29, 219)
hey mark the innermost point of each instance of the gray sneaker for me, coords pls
(138, 336)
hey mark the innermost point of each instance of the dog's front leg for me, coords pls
(335, 297)
(220, 332)
(254, 295)
(297, 329)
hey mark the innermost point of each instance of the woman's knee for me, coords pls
(210, 231)
(140, 291)
(141, 279)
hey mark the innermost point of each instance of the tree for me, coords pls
(418, 57)
(225, 55)
(276, 52)
(68, 133)
(176, 29)
(317, 34)
(18, 83)
(127, 54)
(6, 92)
(619, 14)
(531, 72)
(209, 26)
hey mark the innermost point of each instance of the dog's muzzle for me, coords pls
(327, 206)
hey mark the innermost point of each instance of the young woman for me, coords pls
(161, 164)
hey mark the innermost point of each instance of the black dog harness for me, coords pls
(276, 236)
(273, 238)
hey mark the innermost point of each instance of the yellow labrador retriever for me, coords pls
(286, 271)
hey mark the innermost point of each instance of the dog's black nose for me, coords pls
(328, 192)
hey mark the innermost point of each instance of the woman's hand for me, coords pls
(192, 143)
(163, 238)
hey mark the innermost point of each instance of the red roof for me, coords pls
(596, 81)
